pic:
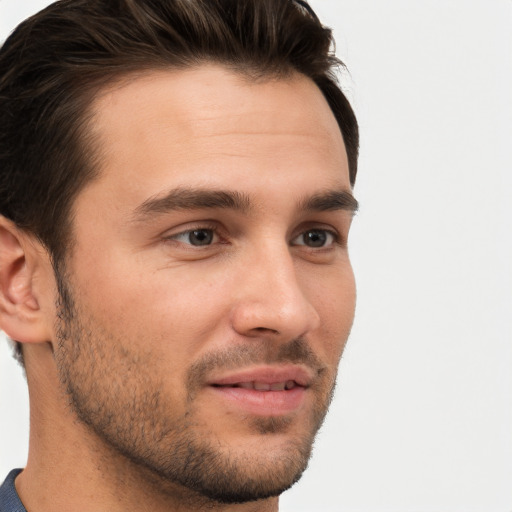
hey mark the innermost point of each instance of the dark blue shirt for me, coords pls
(9, 499)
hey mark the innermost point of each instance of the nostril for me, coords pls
(265, 330)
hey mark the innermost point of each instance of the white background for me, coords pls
(422, 420)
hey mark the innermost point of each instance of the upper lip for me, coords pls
(301, 375)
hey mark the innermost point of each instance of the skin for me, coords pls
(121, 381)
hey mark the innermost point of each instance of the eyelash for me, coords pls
(335, 237)
(202, 227)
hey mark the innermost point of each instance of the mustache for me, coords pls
(255, 352)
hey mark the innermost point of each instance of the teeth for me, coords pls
(261, 386)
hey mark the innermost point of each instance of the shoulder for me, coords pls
(9, 499)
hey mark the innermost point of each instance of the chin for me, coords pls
(224, 477)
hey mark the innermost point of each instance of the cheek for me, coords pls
(335, 298)
(170, 310)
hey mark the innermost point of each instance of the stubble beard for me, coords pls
(114, 393)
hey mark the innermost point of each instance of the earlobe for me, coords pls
(21, 315)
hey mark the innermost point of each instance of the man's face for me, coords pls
(211, 289)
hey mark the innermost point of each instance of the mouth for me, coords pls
(262, 386)
(267, 391)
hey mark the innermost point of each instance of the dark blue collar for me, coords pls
(9, 499)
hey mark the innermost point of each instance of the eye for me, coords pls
(315, 238)
(196, 237)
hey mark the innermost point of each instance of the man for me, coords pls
(176, 199)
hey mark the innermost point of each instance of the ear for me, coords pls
(24, 268)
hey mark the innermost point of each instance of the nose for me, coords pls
(271, 300)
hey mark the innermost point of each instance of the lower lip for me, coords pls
(262, 403)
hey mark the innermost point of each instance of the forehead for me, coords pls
(209, 125)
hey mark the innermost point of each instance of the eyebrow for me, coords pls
(331, 200)
(199, 199)
(192, 199)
